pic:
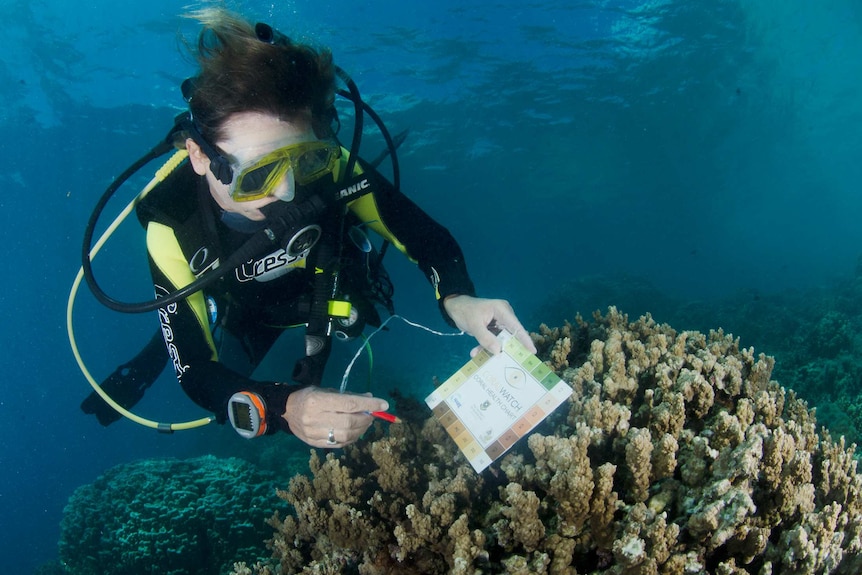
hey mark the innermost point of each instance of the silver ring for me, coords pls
(331, 439)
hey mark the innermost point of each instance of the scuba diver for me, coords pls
(269, 213)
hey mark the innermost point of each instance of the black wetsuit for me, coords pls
(215, 339)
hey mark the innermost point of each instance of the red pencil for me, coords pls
(385, 416)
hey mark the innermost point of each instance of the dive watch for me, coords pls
(247, 414)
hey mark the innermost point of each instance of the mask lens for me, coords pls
(314, 163)
(255, 179)
(260, 179)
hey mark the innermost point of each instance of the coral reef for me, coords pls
(676, 454)
(187, 517)
(814, 334)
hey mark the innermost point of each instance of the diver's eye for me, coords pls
(313, 161)
(254, 180)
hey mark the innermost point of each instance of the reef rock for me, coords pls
(677, 454)
(191, 517)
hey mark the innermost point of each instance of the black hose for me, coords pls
(281, 221)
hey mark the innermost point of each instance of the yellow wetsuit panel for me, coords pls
(366, 209)
(167, 255)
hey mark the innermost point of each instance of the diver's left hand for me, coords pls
(475, 316)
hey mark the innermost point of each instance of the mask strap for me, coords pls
(219, 165)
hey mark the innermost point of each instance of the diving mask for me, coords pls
(305, 161)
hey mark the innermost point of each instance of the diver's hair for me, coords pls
(240, 73)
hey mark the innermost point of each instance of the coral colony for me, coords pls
(166, 516)
(676, 454)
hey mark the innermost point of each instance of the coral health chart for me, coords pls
(495, 400)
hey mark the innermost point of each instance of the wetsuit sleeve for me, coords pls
(185, 327)
(398, 219)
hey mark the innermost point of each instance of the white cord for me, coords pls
(346, 375)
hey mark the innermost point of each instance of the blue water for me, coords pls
(704, 146)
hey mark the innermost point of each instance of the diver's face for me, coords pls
(249, 136)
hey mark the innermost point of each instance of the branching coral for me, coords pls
(677, 454)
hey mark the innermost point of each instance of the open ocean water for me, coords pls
(654, 155)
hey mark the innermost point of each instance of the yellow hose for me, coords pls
(173, 162)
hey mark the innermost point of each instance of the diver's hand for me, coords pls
(325, 418)
(476, 315)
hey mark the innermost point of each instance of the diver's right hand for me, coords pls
(325, 418)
